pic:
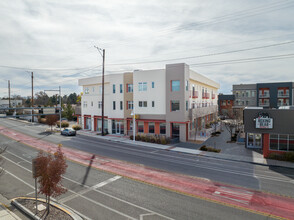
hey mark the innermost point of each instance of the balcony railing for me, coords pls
(283, 104)
(205, 95)
(195, 95)
(283, 95)
(266, 104)
(267, 95)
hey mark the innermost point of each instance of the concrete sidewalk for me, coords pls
(5, 213)
(256, 158)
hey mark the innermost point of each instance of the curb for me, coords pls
(33, 216)
(205, 155)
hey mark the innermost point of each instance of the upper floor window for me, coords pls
(121, 88)
(99, 104)
(121, 105)
(86, 90)
(187, 105)
(85, 104)
(142, 86)
(175, 85)
(252, 93)
(113, 105)
(187, 85)
(113, 88)
(152, 85)
(153, 103)
(142, 103)
(130, 105)
(130, 87)
(175, 105)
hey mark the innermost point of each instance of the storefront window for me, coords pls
(140, 127)
(283, 142)
(274, 142)
(162, 128)
(151, 127)
(291, 142)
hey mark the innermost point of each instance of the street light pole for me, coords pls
(103, 65)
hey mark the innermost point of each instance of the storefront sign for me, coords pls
(264, 121)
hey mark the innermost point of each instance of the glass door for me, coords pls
(117, 127)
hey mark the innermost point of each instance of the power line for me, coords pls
(245, 60)
(205, 55)
(225, 18)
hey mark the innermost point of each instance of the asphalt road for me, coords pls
(108, 196)
(272, 179)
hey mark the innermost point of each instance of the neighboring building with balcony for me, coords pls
(225, 104)
(274, 95)
(174, 102)
(266, 95)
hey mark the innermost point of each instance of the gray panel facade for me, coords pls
(245, 95)
(273, 90)
(283, 121)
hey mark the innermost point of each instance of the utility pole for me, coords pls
(103, 64)
(32, 96)
(60, 108)
(9, 94)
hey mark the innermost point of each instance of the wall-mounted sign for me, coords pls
(264, 121)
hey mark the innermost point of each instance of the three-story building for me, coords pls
(175, 102)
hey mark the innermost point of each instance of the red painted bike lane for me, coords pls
(238, 197)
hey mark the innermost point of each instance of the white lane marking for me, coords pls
(99, 185)
(73, 196)
(24, 182)
(30, 193)
(97, 203)
(148, 214)
(118, 199)
(106, 194)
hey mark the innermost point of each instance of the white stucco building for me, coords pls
(174, 102)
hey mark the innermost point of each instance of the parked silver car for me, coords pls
(68, 132)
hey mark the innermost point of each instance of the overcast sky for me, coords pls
(55, 39)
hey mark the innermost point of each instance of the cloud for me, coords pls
(61, 35)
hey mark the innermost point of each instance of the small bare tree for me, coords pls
(51, 120)
(49, 171)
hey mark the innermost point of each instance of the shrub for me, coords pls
(64, 124)
(203, 148)
(207, 126)
(210, 149)
(163, 140)
(42, 120)
(147, 138)
(158, 140)
(287, 156)
(75, 127)
(138, 137)
(152, 139)
(131, 137)
(143, 138)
